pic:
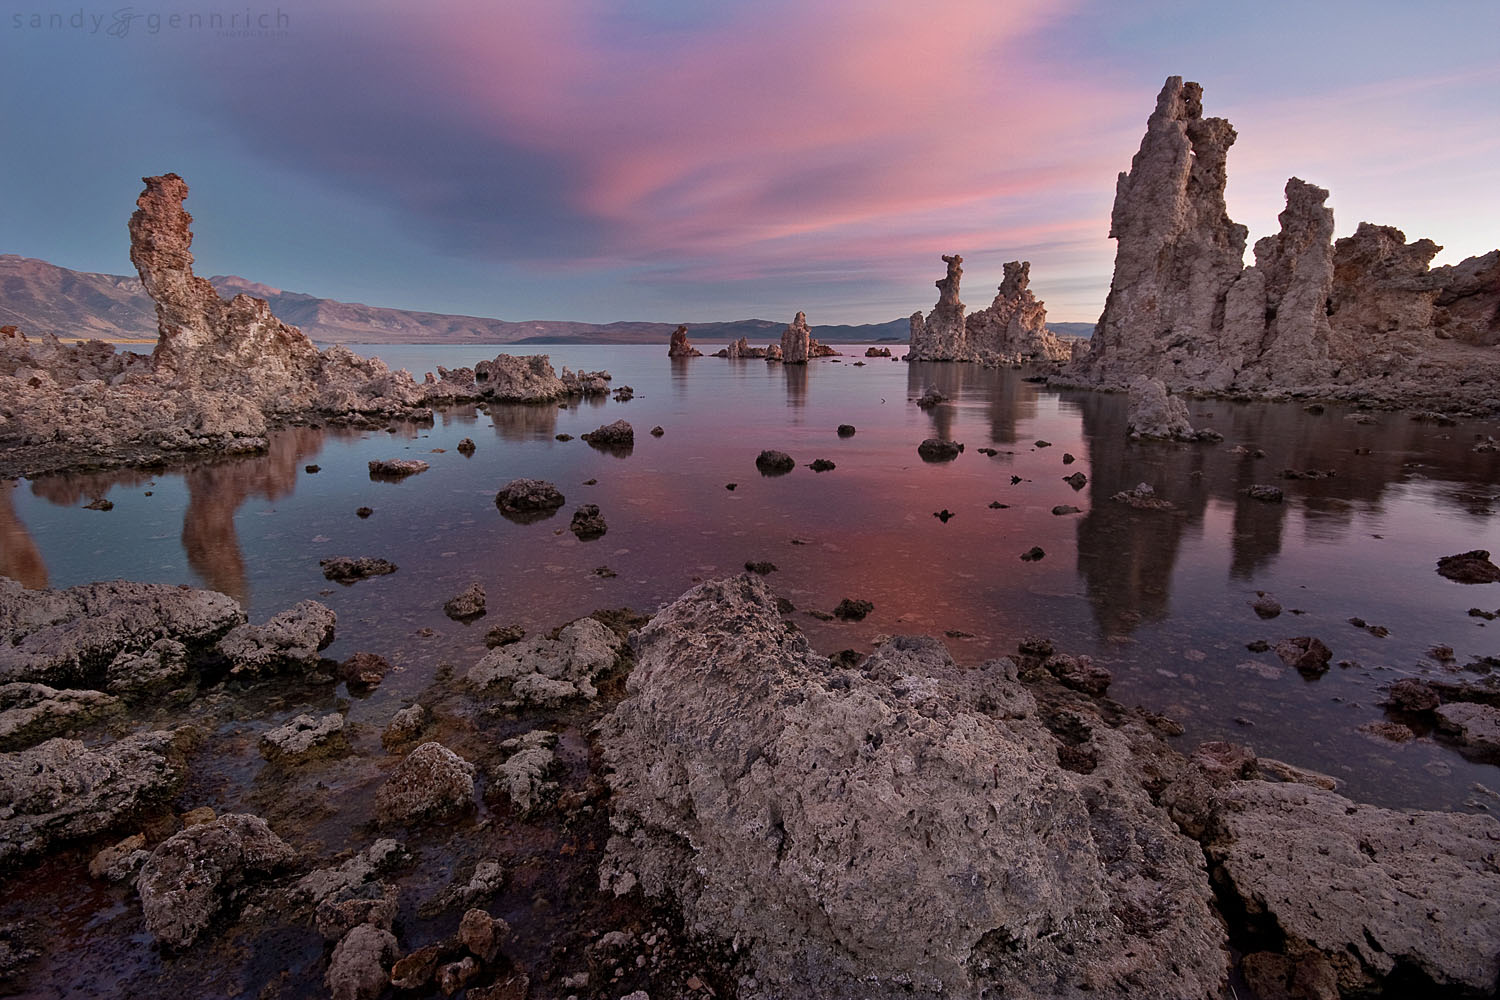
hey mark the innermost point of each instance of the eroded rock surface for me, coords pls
(431, 784)
(941, 336)
(31, 713)
(543, 671)
(290, 640)
(1014, 326)
(904, 827)
(680, 346)
(795, 341)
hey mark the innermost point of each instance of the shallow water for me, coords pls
(1162, 598)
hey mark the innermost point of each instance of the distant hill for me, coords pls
(41, 298)
(1084, 330)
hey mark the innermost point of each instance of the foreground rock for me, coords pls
(31, 713)
(468, 605)
(395, 469)
(304, 739)
(550, 672)
(432, 784)
(61, 790)
(290, 640)
(904, 827)
(1469, 567)
(196, 873)
(617, 436)
(350, 569)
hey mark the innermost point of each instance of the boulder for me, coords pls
(528, 499)
(939, 450)
(588, 523)
(360, 964)
(349, 570)
(1469, 567)
(431, 784)
(1156, 415)
(617, 436)
(548, 672)
(291, 640)
(395, 469)
(305, 738)
(774, 463)
(523, 775)
(467, 605)
(31, 713)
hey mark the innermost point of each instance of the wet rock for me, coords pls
(416, 970)
(304, 739)
(523, 774)
(1473, 725)
(680, 347)
(358, 968)
(938, 450)
(528, 499)
(454, 976)
(1411, 694)
(618, 436)
(1142, 497)
(1395, 732)
(1032, 554)
(487, 878)
(588, 523)
(373, 903)
(363, 512)
(466, 446)
(288, 641)
(467, 605)
(852, 609)
(160, 668)
(362, 671)
(774, 463)
(1043, 444)
(1306, 653)
(762, 567)
(482, 934)
(839, 883)
(822, 465)
(941, 336)
(930, 398)
(944, 515)
(605, 572)
(1265, 605)
(796, 340)
(657, 431)
(1156, 415)
(405, 727)
(68, 638)
(31, 713)
(846, 430)
(120, 862)
(194, 874)
(1080, 673)
(1068, 459)
(62, 790)
(348, 569)
(1263, 492)
(877, 352)
(433, 784)
(1066, 508)
(1077, 480)
(504, 635)
(99, 503)
(590, 384)
(395, 469)
(1469, 567)
(350, 876)
(624, 394)
(543, 671)
(1382, 880)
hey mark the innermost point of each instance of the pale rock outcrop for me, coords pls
(1014, 326)
(795, 340)
(160, 668)
(31, 713)
(62, 790)
(74, 637)
(549, 672)
(680, 347)
(941, 336)
(195, 873)
(431, 783)
(1156, 414)
(586, 384)
(290, 640)
(897, 829)
(773, 352)
(360, 964)
(524, 774)
(1468, 303)
(305, 738)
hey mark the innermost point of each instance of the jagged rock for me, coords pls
(467, 605)
(372, 903)
(774, 463)
(1411, 694)
(941, 336)
(291, 640)
(877, 352)
(901, 828)
(938, 450)
(1015, 324)
(305, 738)
(930, 398)
(504, 635)
(517, 379)
(590, 384)
(817, 350)
(482, 934)
(161, 667)
(31, 713)
(795, 341)
(348, 570)
(1307, 653)
(1469, 567)
(454, 976)
(395, 469)
(528, 499)
(358, 968)
(432, 784)
(773, 352)
(349, 876)
(195, 873)
(1468, 300)
(853, 609)
(1155, 415)
(523, 774)
(120, 862)
(1077, 480)
(624, 394)
(61, 790)
(680, 347)
(363, 670)
(405, 726)
(487, 878)
(588, 523)
(618, 436)
(1374, 891)
(466, 446)
(1473, 725)
(543, 671)
(69, 638)
(1263, 492)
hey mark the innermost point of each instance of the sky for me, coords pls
(685, 160)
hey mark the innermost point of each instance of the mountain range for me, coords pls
(42, 298)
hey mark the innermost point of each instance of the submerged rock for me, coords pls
(305, 738)
(405, 726)
(902, 828)
(467, 605)
(347, 569)
(395, 469)
(1142, 497)
(194, 874)
(31, 713)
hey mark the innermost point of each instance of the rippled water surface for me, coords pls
(1162, 598)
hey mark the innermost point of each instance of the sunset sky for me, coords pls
(682, 160)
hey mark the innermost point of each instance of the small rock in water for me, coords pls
(618, 437)
(528, 500)
(1068, 459)
(930, 398)
(822, 465)
(1260, 491)
(761, 567)
(1014, 480)
(343, 569)
(938, 450)
(363, 512)
(846, 430)
(1077, 480)
(1258, 646)
(997, 505)
(562, 437)
(311, 469)
(774, 463)
(504, 635)
(1032, 554)
(467, 605)
(853, 609)
(1044, 444)
(657, 431)
(99, 503)
(1066, 508)
(588, 523)
(1265, 605)
(943, 515)
(731, 486)
(363, 670)
(1308, 654)
(991, 452)
(392, 469)
(1473, 566)
(605, 572)
(466, 446)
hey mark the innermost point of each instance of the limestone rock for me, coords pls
(161, 667)
(195, 873)
(774, 463)
(795, 340)
(524, 774)
(543, 671)
(70, 637)
(1474, 725)
(1156, 415)
(359, 966)
(901, 828)
(588, 523)
(290, 640)
(1468, 300)
(61, 790)
(351, 875)
(405, 726)
(395, 469)
(617, 436)
(432, 784)
(1015, 324)
(363, 670)
(510, 378)
(528, 499)
(305, 738)
(680, 347)
(941, 336)
(588, 384)
(31, 713)
(741, 349)
(348, 570)
(467, 605)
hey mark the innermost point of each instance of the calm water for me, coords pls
(1159, 597)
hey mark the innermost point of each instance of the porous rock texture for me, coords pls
(62, 790)
(1014, 326)
(31, 713)
(1156, 414)
(196, 872)
(431, 783)
(290, 640)
(549, 672)
(896, 829)
(1363, 318)
(71, 638)
(941, 336)
(796, 340)
(680, 347)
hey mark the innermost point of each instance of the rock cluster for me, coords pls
(1014, 326)
(549, 672)
(1364, 317)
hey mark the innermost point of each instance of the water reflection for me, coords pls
(530, 422)
(1009, 401)
(796, 384)
(20, 559)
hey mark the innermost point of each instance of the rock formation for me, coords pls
(1014, 326)
(941, 336)
(1363, 318)
(680, 347)
(795, 340)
